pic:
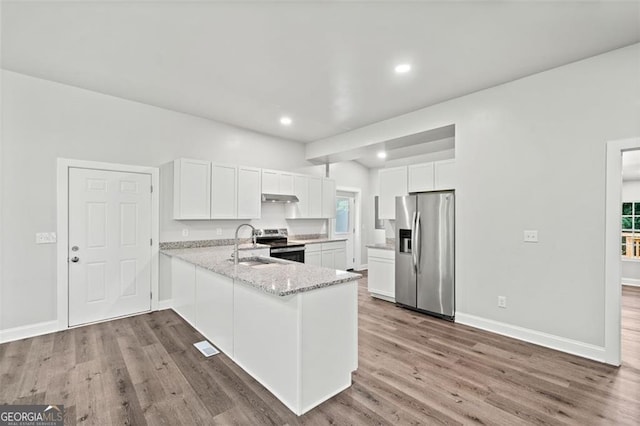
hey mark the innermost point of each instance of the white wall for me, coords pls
(530, 154)
(43, 120)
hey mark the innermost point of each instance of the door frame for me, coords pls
(357, 219)
(613, 261)
(62, 208)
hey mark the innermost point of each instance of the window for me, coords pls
(342, 215)
(631, 229)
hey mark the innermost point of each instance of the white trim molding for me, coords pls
(26, 331)
(612, 262)
(562, 344)
(63, 228)
(632, 282)
(165, 304)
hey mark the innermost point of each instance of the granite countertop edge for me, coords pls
(316, 240)
(220, 266)
(382, 246)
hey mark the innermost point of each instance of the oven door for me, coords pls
(295, 254)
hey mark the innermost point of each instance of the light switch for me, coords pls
(530, 236)
(46, 238)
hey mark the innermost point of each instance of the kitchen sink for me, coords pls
(257, 262)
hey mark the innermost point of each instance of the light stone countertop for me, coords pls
(383, 246)
(316, 240)
(281, 278)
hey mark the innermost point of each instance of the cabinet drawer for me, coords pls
(312, 248)
(382, 254)
(334, 245)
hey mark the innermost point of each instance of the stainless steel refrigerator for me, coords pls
(425, 253)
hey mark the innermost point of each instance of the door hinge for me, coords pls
(151, 188)
(150, 241)
(151, 295)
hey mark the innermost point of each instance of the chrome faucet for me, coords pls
(235, 246)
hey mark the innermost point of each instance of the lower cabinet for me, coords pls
(331, 255)
(183, 289)
(382, 274)
(214, 308)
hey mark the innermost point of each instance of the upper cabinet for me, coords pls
(436, 176)
(276, 182)
(393, 183)
(224, 192)
(203, 190)
(192, 189)
(316, 195)
(249, 193)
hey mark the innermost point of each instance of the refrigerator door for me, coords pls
(405, 257)
(435, 253)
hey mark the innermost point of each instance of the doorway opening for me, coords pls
(630, 259)
(108, 240)
(619, 240)
(347, 224)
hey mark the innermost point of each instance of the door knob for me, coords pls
(75, 259)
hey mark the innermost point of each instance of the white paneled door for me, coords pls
(109, 244)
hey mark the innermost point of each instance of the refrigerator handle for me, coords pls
(417, 249)
(413, 242)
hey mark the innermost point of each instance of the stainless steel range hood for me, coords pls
(279, 198)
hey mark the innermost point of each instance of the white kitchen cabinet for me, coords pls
(214, 308)
(420, 177)
(334, 255)
(192, 189)
(249, 193)
(224, 191)
(393, 183)
(328, 198)
(277, 182)
(381, 280)
(445, 174)
(315, 197)
(313, 254)
(183, 289)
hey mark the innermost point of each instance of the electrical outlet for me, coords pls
(218, 231)
(530, 236)
(502, 302)
(46, 238)
(185, 232)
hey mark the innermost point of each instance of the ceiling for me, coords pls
(327, 65)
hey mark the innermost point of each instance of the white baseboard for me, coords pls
(26, 331)
(361, 267)
(631, 281)
(165, 304)
(574, 347)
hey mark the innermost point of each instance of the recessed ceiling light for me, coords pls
(403, 68)
(382, 154)
(285, 121)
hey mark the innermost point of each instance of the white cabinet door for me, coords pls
(249, 193)
(340, 259)
(328, 260)
(381, 280)
(315, 198)
(445, 174)
(313, 258)
(393, 183)
(270, 182)
(420, 177)
(285, 183)
(191, 189)
(223, 192)
(299, 210)
(183, 289)
(328, 198)
(214, 309)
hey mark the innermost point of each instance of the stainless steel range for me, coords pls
(281, 248)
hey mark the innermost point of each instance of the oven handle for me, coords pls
(287, 249)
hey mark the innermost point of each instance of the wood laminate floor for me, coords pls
(413, 369)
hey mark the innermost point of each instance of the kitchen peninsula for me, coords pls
(291, 326)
